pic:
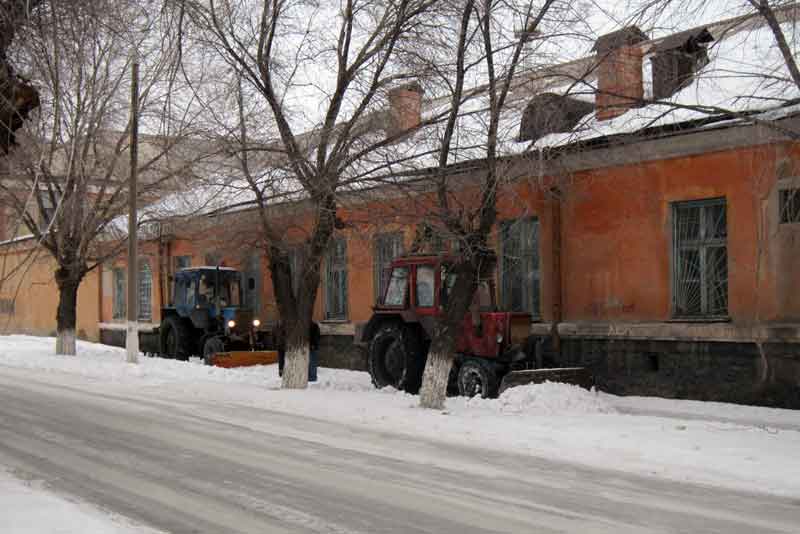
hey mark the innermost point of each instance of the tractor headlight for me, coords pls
(231, 323)
(256, 323)
(499, 338)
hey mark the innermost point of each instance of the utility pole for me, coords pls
(132, 330)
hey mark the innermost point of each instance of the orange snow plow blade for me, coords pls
(579, 376)
(244, 358)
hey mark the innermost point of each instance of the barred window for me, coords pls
(336, 280)
(519, 266)
(145, 292)
(789, 202)
(700, 258)
(387, 248)
(118, 308)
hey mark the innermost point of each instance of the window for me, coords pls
(47, 212)
(425, 286)
(789, 202)
(398, 288)
(336, 280)
(700, 258)
(182, 262)
(387, 248)
(145, 292)
(7, 306)
(119, 293)
(520, 275)
(677, 59)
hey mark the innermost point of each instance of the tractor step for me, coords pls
(579, 376)
(244, 358)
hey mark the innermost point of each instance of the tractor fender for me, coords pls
(377, 321)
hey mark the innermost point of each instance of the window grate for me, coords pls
(336, 281)
(520, 272)
(789, 202)
(145, 292)
(700, 258)
(119, 308)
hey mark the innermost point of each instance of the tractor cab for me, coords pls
(215, 291)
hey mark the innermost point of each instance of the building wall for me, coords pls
(32, 288)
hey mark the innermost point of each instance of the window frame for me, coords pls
(702, 245)
(119, 293)
(787, 195)
(533, 269)
(144, 289)
(336, 265)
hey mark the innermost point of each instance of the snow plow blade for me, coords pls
(243, 358)
(579, 376)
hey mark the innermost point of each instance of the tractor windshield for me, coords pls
(484, 293)
(229, 293)
(398, 287)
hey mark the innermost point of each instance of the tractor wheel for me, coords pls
(477, 378)
(212, 346)
(395, 358)
(175, 339)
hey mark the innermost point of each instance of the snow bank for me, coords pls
(28, 508)
(548, 398)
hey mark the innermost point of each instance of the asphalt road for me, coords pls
(204, 467)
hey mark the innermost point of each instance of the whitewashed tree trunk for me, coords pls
(65, 342)
(434, 381)
(295, 368)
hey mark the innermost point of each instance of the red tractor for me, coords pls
(494, 348)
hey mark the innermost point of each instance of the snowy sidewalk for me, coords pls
(739, 447)
(28, 508)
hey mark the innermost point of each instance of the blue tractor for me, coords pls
(206, 317)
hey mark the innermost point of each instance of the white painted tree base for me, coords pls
(295, 368)
(132, 342)
(433, 392)
(65, 343)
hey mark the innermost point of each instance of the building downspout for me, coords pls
(556, 311)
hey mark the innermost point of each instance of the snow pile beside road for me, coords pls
(28, 508)
(108, 364)
(549, 398)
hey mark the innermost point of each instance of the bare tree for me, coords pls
(67, 180)
(286, 55)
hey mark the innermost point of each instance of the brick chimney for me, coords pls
(619, 72)
(405, 107)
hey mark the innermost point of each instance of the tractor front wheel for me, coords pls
(395, 359)
(212, 346)
(175, 339)
(477, 378)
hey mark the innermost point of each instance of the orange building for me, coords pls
(667, 255)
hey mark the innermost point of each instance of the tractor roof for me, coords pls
(206, 268)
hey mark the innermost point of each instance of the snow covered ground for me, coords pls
(29, 508)
(738, 447)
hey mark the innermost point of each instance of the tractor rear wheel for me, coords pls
(395, 358)
(477, 378)
(212, 346)
(175, 339)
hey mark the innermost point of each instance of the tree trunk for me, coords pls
(443, 345)
(295, 367)
(67, 314)
(433, 392)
